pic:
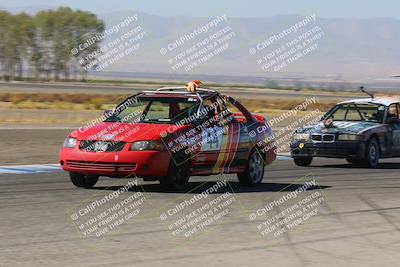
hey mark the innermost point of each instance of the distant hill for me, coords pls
(350, 48)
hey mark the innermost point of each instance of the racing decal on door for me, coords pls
(211, 138)
(232, 148)
(228, 150)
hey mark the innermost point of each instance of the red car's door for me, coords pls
(225, 144)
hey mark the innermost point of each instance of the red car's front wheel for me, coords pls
(178, 175)
(80, 180)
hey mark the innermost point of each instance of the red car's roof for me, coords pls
(178, 92)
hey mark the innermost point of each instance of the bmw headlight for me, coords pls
(301, 137)
(348, 137)
(70, 142)
(146, 145)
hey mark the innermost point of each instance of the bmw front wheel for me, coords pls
(372, 154)
(302, 161)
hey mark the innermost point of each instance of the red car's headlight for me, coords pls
(70, 142)
(147, 145)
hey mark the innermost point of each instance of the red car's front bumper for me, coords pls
(115, 164)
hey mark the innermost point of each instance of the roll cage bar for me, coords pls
(200, 93)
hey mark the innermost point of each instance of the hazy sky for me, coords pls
(233, 8)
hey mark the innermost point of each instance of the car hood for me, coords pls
(126, 132)
(350, 127)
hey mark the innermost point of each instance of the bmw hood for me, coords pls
(349, 127)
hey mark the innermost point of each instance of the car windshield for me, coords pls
(167, 110)
(357, 112)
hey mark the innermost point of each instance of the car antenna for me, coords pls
(362, 89)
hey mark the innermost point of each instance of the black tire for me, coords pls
(178, 175)
(303, 161)
(254, 172)
(80, 180)
(372, 154)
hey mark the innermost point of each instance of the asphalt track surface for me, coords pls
(357, 223)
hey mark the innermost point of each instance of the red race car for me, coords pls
(168, 135)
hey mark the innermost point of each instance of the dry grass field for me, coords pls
(75, 109)
(69, 105)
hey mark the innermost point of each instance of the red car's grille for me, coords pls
(101, 166)
(101, 146)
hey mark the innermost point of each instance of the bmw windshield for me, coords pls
(357, 112)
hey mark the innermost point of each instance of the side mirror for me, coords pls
(108, 113)
(392, 120)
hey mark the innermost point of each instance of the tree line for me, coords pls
(39, 46)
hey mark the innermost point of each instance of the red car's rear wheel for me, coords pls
(254, 172)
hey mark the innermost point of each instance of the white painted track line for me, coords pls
(29, 169)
